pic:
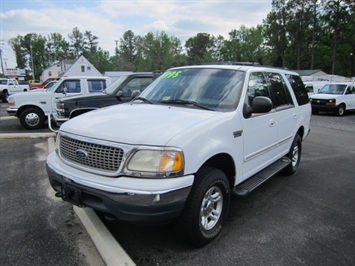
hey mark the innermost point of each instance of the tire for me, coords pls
(32, 118)
(206, 208)
(340, 110)
(295, 155)
(4, 96)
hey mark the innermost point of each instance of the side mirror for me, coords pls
(135, 94)
(65, 90)
(261, 104)
(119, 94)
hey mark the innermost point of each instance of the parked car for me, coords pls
(313, 87)
(33, 107)
(121, 90)
(10, 86)
(179, 150)
(38, 85)
(333, 97)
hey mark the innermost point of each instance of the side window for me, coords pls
(257, 86)
(280, 94)
(72, 86)
(96, 85)
(299, 89)
(136, 84)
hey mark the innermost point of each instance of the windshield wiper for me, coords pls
(183, 102)
(143, 99)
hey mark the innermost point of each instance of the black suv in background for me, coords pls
(122, 90)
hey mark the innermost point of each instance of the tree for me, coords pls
(276, 32)
(200, 48)
(77, 41)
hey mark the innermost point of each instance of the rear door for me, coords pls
(285, 115)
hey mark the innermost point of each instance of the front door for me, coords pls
(260, 130)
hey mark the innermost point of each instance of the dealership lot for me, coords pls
(308, 218)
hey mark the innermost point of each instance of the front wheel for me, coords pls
(340, 110)
(32, 118)
(206, 208)
(295, 155)
(4, 96)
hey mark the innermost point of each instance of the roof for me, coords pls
(310, 72)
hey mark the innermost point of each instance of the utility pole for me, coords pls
(33, 70)
(2, 65)
(116, 41)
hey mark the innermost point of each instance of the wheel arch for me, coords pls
(225, 163)
(80, 111)
(24, 107)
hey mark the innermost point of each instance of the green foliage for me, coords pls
(297, 34)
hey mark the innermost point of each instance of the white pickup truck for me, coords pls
(10, 86)
(33, 107)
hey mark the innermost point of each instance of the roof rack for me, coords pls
(232, 63)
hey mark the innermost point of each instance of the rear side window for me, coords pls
(298, 89)
(95, 85)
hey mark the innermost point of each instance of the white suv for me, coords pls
(177, 152)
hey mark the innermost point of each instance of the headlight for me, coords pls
(11, 102)
(156, 163)
(331, 102)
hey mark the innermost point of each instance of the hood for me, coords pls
(137, 124)
(25, 94)
(324, 96)
(85, 96)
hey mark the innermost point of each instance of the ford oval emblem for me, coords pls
(81, 154)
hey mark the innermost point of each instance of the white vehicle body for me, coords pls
(169, 159)
(314, 86)
(10, 86)
(336, 97)
(43, 102)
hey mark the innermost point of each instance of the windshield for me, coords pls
(208, 88)
(333, 89)
(112, 88)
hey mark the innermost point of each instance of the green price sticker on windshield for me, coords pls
(171, 74)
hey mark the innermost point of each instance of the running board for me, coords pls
(253, 182)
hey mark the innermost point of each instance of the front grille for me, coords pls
(92, 155)
(319, 101)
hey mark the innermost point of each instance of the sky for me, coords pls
(109, 19)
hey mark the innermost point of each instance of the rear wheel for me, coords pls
(32, 118)
(206, 209)
(295, 156)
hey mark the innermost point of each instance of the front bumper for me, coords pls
(133, 205)
(324, 108)
(59, 120)
(11, 111)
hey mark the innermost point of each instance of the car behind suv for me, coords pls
(193, 138)
(124, 89)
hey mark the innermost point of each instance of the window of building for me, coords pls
(82, 68)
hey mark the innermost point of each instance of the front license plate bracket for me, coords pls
(71, 195)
